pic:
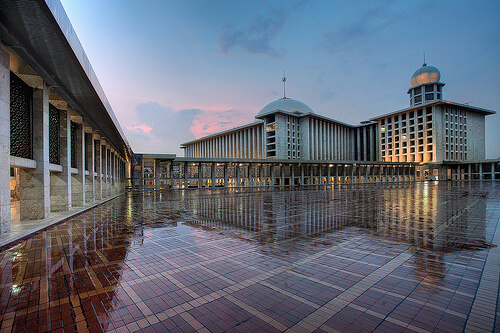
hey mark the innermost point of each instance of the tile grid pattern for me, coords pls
(99, 272)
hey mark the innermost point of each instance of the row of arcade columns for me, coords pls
(44, 187)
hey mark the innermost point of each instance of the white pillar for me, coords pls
(78, 180)
(60, 182)
(35, 184)
(91, 163)
(98, 163)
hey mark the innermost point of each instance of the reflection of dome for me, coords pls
(287, 105)
(425, 74)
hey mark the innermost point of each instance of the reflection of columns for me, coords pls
(35, 184)
(60, 182)
(5, 139)
(78, 180)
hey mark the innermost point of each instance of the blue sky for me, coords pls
(178, 70)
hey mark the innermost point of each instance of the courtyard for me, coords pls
(394, 257)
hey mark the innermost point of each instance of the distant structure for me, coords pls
(430, 130)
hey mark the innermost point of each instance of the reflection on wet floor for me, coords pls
(360, 258)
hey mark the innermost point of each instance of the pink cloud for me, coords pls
(141, 128)
(208, 122)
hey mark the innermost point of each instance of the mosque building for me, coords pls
(430, 130)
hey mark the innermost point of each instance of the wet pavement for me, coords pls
(402, 257)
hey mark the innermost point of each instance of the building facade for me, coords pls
(61, 147)
(430, 130)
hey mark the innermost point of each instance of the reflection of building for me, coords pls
(436, 217)
(430, 130)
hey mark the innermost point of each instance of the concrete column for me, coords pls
(302, 174)
(112, 171)
(78, 180)
(212, 174)
(98, 164)
(116, 180)
(200, 178)
(226, 178)
(104, 169)
(238, 177)
(116, 177)
(108, 171)
(320, 174)
(186, 176)
(157, 174)
(91, 163)
(34, 185)
(272, 174)
(60, 182)
(4, 139)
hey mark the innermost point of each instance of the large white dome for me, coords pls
(287, 105)
(425, 74)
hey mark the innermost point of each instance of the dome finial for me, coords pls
(284, 83)
(425, 64)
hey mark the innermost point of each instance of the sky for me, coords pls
(177, 70)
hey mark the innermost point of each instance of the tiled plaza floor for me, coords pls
(390, 258)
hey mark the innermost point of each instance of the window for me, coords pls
(429, 97)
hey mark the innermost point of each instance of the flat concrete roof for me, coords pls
(265, 161)
(257, 122)
(463, 106)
